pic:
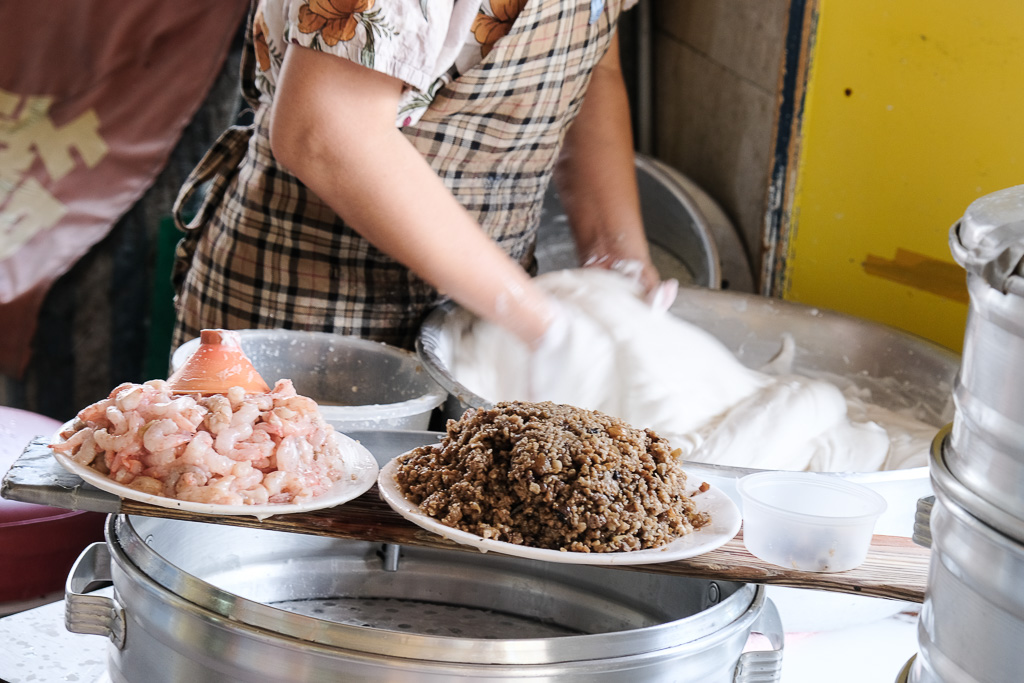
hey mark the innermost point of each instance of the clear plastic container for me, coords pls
(807, 521)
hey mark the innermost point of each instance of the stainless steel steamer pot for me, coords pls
(204, 602)
(972, 621)
(986, 451)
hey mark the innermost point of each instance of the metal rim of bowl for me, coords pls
(428, 347)
(432, 397)
(946, 484)
(133, 553)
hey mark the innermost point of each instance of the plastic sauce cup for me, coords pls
(808, 521)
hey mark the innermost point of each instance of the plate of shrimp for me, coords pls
(226, 454)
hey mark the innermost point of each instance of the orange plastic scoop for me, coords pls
(217, 365)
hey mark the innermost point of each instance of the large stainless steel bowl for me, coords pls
(359, 384)
(901, 370)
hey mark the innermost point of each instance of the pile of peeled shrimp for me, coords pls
(233, 448)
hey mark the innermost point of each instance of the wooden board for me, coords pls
(895, 567)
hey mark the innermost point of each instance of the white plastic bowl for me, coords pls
(807, 521)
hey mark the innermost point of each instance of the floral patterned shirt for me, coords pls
(424, 43)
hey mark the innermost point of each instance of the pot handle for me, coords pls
(92, 614)
(923, 521)
(763, 666)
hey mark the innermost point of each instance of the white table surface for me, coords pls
(38, 649)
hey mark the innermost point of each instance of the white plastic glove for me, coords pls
(659, 294)
(572, 361)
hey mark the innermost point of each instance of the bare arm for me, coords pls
(332, 126)
(596, 176)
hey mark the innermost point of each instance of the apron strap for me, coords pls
(219, 165)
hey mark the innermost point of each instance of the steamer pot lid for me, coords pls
(989, 240)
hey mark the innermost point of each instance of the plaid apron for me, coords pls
(265, 252)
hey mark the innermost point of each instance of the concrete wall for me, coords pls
(716, 70)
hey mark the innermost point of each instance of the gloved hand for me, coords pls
(571, 361)
(660, 294)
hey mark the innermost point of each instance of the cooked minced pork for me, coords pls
(552, 476)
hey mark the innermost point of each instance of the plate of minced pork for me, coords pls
(224, 454)
(557, 483)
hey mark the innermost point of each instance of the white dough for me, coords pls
(654, 370)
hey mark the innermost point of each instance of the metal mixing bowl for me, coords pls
(902, 371)
(359, 384)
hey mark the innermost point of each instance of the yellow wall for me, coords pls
(913, 109)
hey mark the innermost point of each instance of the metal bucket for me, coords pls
(359, 384)
(972, 622)
(216, 603)
(987, 444)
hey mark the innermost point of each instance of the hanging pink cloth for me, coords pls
(94, 95)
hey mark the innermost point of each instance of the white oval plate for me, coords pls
(725, 523)
(360, 463)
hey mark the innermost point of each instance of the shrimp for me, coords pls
(218, 414)
(128, 397)
(163, 434)
(240, 428)
(187, 476)
(125, 465)
(236, 395)
(278, 482)
(186, 413)
(200, 452)
(257, 495)
(94, 414)
(153, 487)
(88, 452)
(232, 448)
(257, 449)
(72, 442)
(118, 422)
(246, 476)
(217, 491)
(119, 442)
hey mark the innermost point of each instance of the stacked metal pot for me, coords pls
(972, 622)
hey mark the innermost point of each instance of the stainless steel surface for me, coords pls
(944, 481)
(922, 522)
(359, 384)
(92, 614)
(691, 238)
(972, 621)
(208, 602)
(985, 451)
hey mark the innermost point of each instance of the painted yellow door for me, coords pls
(907, 111)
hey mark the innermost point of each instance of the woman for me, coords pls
(400, 153)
